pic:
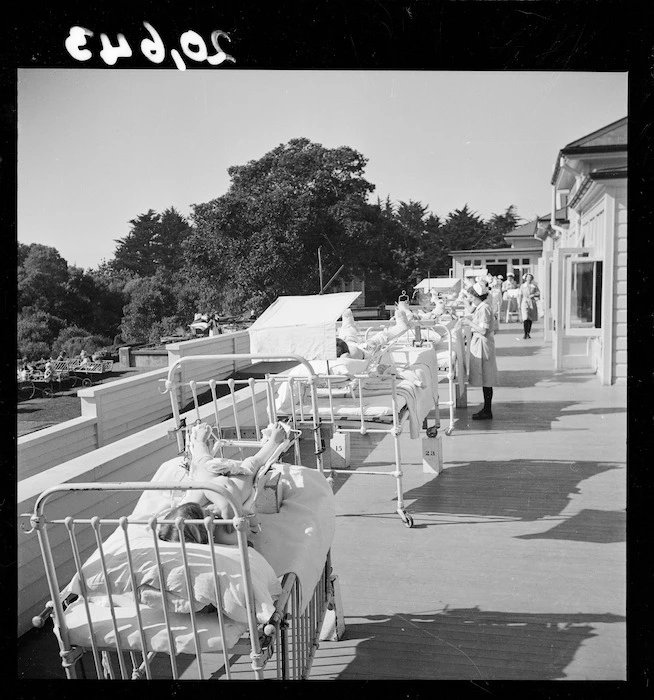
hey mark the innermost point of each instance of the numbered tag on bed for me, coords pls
(432, 455)
(340, 450)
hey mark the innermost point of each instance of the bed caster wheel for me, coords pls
(448, 431)
(432, 431)
(407, 520)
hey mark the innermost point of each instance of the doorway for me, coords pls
(498, 269)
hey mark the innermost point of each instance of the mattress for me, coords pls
(153, 626)
(374, 407)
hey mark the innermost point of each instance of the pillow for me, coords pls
(232, 592)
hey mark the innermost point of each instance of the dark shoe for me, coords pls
(525, 336)
(482, 415)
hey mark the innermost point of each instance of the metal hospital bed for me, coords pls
(450, 357)
(126, 640)
(238, 436)
(344, 399)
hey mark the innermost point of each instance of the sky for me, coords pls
(96, 148)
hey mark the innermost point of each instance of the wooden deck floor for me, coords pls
(515, 568)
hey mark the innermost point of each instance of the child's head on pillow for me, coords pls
(341, 347)
(193, 532)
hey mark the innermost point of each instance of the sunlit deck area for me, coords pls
(515, 568)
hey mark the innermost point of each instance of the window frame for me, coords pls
(589, 331)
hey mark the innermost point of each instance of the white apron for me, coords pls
(483, 363)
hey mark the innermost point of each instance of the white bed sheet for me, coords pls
(375, 406)
(154, 629)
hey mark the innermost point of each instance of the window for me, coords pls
(490, 260)
(502, 260)
(585, 305)
(525, 261)
(466, 263)
(477, 263)
(515, 261)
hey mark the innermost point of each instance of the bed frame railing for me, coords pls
(291, 635)
(243, 436)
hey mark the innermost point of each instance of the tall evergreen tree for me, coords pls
(499, 225)
(463, 229)
(136, 252)
(167, 241)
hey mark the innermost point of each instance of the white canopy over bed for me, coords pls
(303, 325)
(440, 284)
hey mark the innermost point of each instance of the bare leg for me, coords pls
(204, 467)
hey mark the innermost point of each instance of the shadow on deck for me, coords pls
(467, 644)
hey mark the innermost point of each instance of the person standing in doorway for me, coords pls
(529, 293)
(496, 297)
(483, 362)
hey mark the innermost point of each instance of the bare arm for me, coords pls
(238, 485)
(276, 437)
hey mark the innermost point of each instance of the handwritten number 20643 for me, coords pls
(192, 44)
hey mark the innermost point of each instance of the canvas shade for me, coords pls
(476, 272)
(441, 284)
(302, 325)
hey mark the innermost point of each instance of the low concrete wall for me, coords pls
(127, 405)
(59, 443)
(225, 344)
(133, 458)
(152, 358)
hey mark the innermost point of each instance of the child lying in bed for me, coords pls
(237, 479)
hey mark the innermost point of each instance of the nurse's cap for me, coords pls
(479, 289)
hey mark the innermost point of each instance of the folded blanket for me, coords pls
(419, 399)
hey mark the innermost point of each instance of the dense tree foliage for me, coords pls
(36, 332)
(260, 239)
(151, 299)
(53, 296)
(73, 339)
(42, 279)
(242, 250)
